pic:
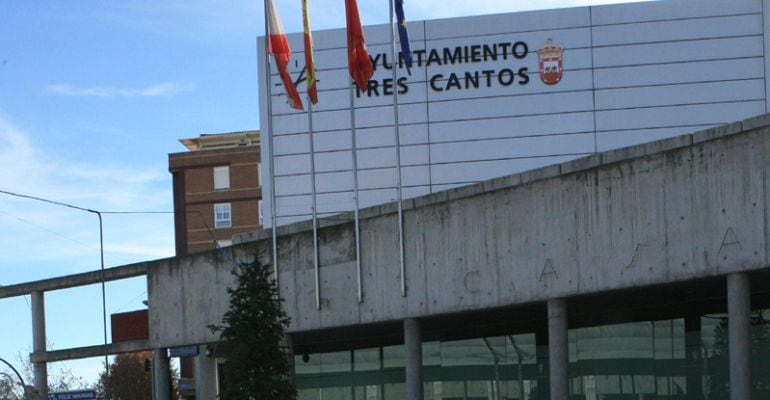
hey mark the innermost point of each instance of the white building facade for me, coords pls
(498, 94)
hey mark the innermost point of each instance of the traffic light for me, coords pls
(147, 364)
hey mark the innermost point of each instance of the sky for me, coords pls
(94, 95)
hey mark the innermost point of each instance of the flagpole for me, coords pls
(394, 63)
(273, 205)
(314, 209)
(354, 150)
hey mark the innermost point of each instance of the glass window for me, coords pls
(222, 216)
(222, 178)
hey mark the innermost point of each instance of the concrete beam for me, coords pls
(91, 351)
(70, 281)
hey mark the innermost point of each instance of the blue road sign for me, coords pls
(73, 395)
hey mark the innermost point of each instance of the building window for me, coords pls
(261, 215)
(222, 178)
(259, 174)
(222, 216)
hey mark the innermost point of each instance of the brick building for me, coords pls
(217, 189)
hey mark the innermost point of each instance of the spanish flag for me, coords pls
(359, 64)
(279, 48)
(312, 92)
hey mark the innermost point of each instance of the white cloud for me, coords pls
(165, 89)
(43, 240)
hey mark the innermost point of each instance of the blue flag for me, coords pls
(402, 35)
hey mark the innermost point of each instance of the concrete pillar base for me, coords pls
(558, 354)
(205, 376)
(739, 325)
(413, 353)
(161, 379)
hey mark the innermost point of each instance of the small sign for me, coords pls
(73, 395)
(184, 351)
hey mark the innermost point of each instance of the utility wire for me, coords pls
(45, 229)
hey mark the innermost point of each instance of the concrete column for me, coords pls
(413, 353)
(739, 333)
(693, 357)
(205, 376)
(558, 354)
(38, 344)
(161, 379)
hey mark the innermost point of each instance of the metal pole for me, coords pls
(314, 208)
(273, 206)
(394, 63)
(354, 150)
(23, 385)
(104, 295)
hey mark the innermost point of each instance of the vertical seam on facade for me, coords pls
(593, 74)
(427, 110)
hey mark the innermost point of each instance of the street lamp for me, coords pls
(101, 257)
(23, 385)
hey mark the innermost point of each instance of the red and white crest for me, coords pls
(551, 66)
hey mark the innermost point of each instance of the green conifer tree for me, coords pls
(257, 363)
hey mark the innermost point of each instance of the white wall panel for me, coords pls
(661, 31)
(411, 192)
(704, 71)
(481, 170)
(291, 144)
(386, 156)
(418, 175)
(512, 148)
(331, 141)
(335, 202)
(377, 178)
(670, 10)
(333, 161)
(617, 139)
(702, 114)
(292, 164)
(386, 177)
(503, 23)
(368, 198)
(331, 120)
(291, 185)
(694, 50)
(709, 92)
(289, 123)
(511, 106)
(385, 136)
(512, 127)
(334, 181)
(383, 116)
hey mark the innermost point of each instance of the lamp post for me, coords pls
(21, 380)
(101, 257)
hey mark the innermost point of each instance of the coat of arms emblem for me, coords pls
(551, 67)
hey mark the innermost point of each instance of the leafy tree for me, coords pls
(257, 364)
(60, 378)
(129, 378)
